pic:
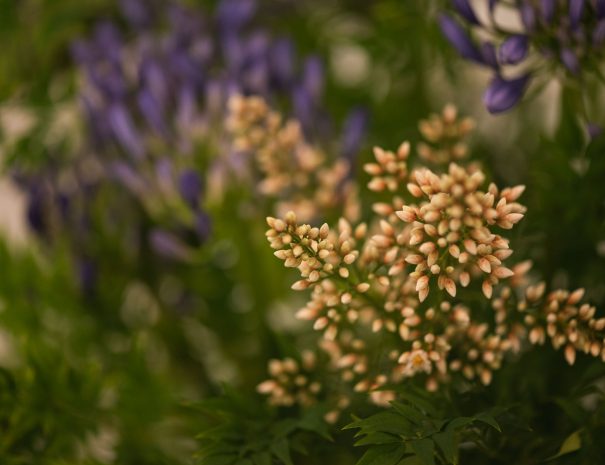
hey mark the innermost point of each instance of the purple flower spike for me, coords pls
(570, 60)
(152, 111)
(137, 13)
(466, 10)
(313, 77)
(458, 37)
(203, 225)
(233, 14)
(548, 9)
(528, 16)
(353, 133)
(125, 131)
(168, 245)
(190, 187)
(600, 6)
(492, 4)
(514, 49)
(282, 62)
(503, 94)
(488, 52)
(576, 8)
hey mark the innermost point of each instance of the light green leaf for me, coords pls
(383, 455)
(446, 441)
(572, 443)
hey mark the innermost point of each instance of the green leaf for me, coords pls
(489, 420)
(281, 450)
(572, 443)
(409, 413)
(458, 423)
(386, 422)
(377, 438)
(446, 441)
(425, 450)
(383, 455)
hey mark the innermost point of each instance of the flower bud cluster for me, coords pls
(292, 382)
(444, 137)
(400, 297)
(295, 172)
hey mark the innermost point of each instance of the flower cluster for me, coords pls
(444, 137)
(567, 34)
(404, 296)
(291, 382)
(291, 169)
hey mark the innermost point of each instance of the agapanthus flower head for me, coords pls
(564, 34)
(157, 104)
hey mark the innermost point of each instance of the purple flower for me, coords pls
(488, 53)
(466, 10)
(570, 60)
(282, 62)
(594, 130)
(502, 94)
(313, 77)
(458, 37)
(576, 8)
(233, 14)
(353, 133)
(600, 6)
(514, 49)
(125, 131)
(548, 8)
(190, 187)
(168, 245)
(528, 16)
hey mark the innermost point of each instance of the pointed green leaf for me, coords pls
(572, 443)
(383, 455)
(281, 450)
(446, 441)
(489, 420)
(425, 450)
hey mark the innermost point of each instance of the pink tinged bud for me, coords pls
(470, 246)
(454, 251)
(484, 265)
(464, 279)
(422, 283)
(321, 323)
(487, 289)
(423, 294)
(502, 272)
(570, 354)
(415, 190)
(306, 314)
(404, 332)
(486, 377)
(377, 185)
(376, 326)
(407, 214)
(575, 296)
(372, 169)
(330, 333)
(266, 387)
(450, 287)
(300, 285)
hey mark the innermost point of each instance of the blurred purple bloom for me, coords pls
(353, 133)
(458, 37)
(282, 62)
(87, 275)
(600, 7)
(548, 8)
(465, 9)
(570, 60)
(513, 49)
(488, 54)
(313, 77)
(576, 8)
(203, 225)
(124, 130)
(168, 245)
(137, 13)
(152, 111)
(503, 94)
(528, 16)
(233, 14)
(190, 187)
(128, 177)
